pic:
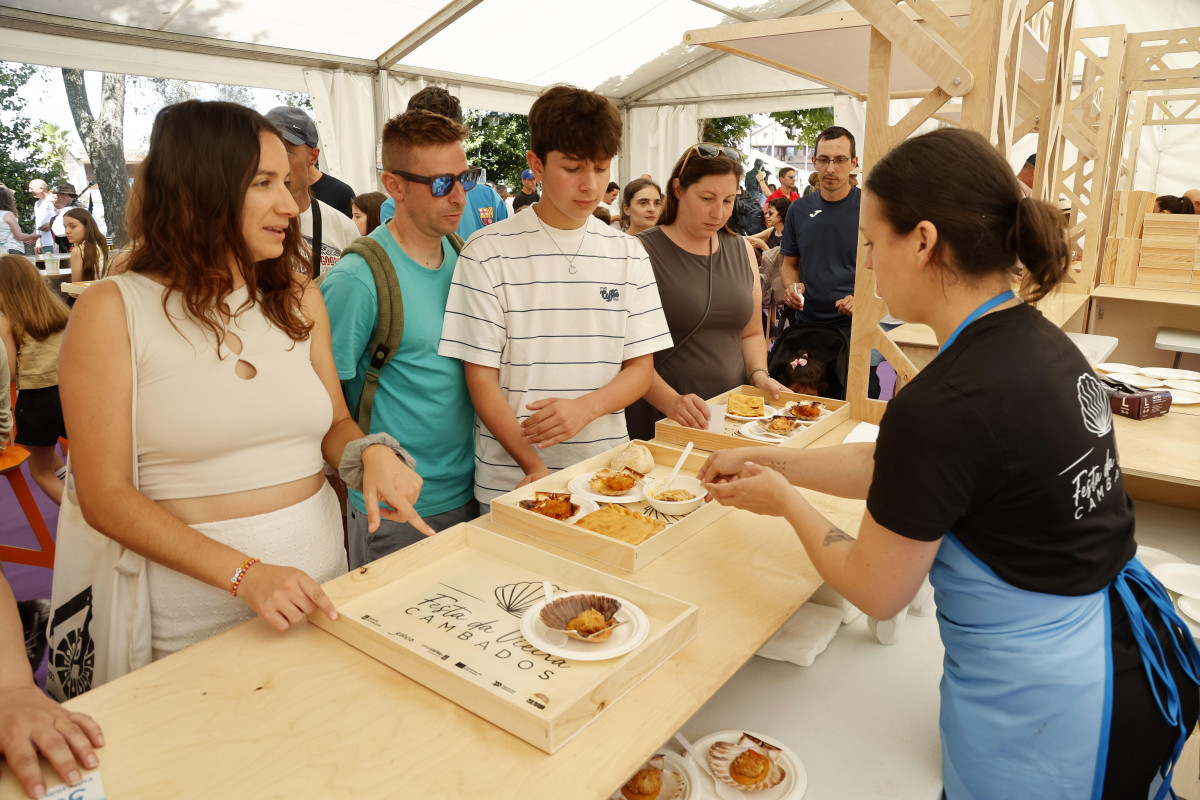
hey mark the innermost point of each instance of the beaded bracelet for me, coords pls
(240, 573)
(750, 377)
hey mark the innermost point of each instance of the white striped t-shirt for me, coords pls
(516, 306)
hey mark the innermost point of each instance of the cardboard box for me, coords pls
(506, 511)
(446, 612)
(1141, 405)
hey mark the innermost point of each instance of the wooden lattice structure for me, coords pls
(978, 64)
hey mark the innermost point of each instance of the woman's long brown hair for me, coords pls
(185, 216)
(93, 248)
(27, 301)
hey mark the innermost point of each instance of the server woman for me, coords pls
(995, 473)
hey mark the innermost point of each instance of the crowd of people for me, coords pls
(269, 333)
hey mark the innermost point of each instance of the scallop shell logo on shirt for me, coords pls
(1093, 404)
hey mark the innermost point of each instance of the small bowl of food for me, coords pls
(684, 496)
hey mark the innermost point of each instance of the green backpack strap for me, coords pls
(390, 329)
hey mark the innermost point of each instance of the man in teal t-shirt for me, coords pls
(422, 398)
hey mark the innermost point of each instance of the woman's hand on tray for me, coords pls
(555, 420)
(690, 411)
(387, 479)
(756, 489)
(724, 466)
(283, 596)
(768, 384)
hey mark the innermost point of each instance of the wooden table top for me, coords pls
(305, 715)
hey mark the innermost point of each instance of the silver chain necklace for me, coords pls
(571, 268)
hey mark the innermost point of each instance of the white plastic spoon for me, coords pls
(687, 451)
(722, 791)
(556, 638)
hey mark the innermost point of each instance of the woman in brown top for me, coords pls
(708, 281)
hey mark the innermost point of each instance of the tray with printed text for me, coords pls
(460, 613)
(663, 526)
(791, 420)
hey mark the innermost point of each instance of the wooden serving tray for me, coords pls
(507, 512)
(446, 613)
(668, 430)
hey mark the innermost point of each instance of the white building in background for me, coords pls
(771, 143)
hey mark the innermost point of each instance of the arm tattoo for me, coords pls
(778, 466)
(836, 535)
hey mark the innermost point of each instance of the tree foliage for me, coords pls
(22, 159)
(498, 143)
(804, 125)
(103, 137)
(727, 131)
(296, 100)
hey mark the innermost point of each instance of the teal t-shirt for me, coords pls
(422, 397)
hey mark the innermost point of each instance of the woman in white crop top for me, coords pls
(223, 350)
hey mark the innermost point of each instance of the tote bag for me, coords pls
(100, 597)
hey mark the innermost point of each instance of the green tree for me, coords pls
(728, 131)
(21, 158)
(804, 125)
(103, 137)
(296, 100)
(498, 143)
(52, 141)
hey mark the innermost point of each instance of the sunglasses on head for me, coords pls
(442, 185)
(707, 150)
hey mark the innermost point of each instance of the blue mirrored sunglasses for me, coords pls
(442, 185)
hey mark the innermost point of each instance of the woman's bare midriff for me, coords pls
(195, 510)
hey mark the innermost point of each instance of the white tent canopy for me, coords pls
(360, 62)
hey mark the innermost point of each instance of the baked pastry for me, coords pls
(780, 425)
(614, 483)
(745, 405)
(653, 782)
(620, 523)
(636, 457)
(645, 784)
(750, 765)
(556, 505)
(588, 622)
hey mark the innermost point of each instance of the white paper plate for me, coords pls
(693, 781)
(795, 779)
(1112, 366)
(768, 411)
(1181, 398)
(623, 640)
(752, 430)
(1152, 557)
(1169, 374)
(578, 487)
(1140, 381)
(1187, 386)
(1180, 577)
(1190, 612)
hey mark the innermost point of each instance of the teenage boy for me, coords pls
(555, 316)
(421, 398)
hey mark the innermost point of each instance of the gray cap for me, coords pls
(295, 126)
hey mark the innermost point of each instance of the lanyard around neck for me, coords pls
(976, 314)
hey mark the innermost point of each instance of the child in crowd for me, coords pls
(32, 319)
(555, 315)
(366, 211)
(89, 250)
(805, 375)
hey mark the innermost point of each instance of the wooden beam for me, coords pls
(928, 54)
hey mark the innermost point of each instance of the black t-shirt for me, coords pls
(520, 200)
(1006, 439)
(332, 192)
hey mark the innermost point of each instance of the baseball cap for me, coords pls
(295, 126)
(527, 175)
(66, 188)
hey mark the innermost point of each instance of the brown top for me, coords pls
(710, 361)
(37, 361)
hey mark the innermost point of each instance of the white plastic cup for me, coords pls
(51, 260)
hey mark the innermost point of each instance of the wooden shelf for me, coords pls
(1167, 296)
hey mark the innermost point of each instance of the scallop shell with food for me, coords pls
(653, 782)
(635, 456)
(751, 764)
(559, 613)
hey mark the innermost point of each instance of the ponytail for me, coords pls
(1040, 244)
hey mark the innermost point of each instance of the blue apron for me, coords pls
(1027, 682)
(1028, 677)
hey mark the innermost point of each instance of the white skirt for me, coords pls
(307, 536)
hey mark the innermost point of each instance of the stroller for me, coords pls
(824, 343)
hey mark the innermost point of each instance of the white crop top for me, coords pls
(203, 430)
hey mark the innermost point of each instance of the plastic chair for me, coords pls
(10, 467)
